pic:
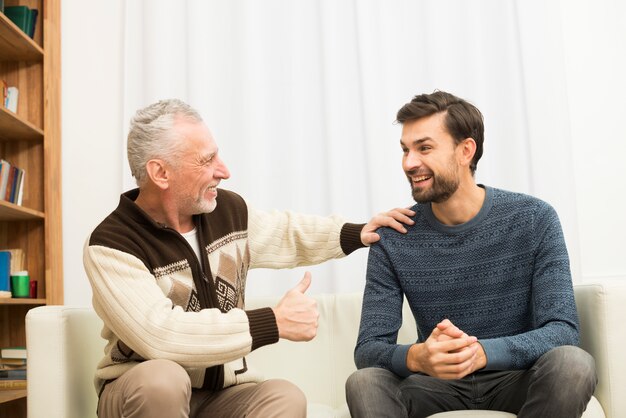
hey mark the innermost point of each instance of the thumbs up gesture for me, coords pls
(296, 314)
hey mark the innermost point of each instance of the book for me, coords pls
(5, 168)
(5, 86)
(12, 98)
(13, 374)
(12, 362)
(33, 22)
(18, 259)
(20, 15)
(5, 271)
(13, 352)
(20, 187)
(12, 384)
(10, 184)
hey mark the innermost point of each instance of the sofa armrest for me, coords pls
(602, 310)
(64, 346)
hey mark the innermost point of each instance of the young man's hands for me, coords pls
(448, 353)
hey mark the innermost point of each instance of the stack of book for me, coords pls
(24, 18)
(11, 182)
(13, 368)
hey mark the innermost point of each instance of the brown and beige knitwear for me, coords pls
(157, 300)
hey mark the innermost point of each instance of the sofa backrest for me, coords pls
(321, 367)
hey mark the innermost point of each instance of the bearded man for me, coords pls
(486, 274)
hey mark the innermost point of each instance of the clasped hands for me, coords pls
(448, 353)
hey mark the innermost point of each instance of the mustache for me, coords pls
(412, 173)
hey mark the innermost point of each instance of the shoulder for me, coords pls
(512, 201)
(530, 210)
(388, 234)
(121, 231)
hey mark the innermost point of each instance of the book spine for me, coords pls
(13, 384)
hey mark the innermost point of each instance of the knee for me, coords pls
(165, 382)
(361, 380)
(572, 365)
(283, 398)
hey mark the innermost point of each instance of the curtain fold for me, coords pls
(301, 98)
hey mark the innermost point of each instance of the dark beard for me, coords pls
(441, 191)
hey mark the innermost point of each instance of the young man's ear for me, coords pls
(158, 173)
(467, 151)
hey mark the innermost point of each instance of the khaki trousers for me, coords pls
(162, 389)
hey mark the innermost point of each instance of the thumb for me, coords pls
(304, 283)
(368, 238)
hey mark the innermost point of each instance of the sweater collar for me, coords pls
(130, 208)
(455, 229)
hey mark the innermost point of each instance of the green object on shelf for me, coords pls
(21, 16)
(20, 283)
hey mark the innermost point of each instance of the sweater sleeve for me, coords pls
(287, 239)
(554, 319)
(134, 308)
(381, 317)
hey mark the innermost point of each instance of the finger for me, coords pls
(444, 324)
(456, 343)
(370, 238)
(304, 283)
(390, 222)
(403, 215)
(449, 329)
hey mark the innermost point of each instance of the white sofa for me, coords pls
(64, 346)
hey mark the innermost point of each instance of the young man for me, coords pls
(486, 274)
(168, 271)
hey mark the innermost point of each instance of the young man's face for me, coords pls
(429, 159)
(199, 170)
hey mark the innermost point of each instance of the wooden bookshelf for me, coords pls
(12, 394)
(31, 139)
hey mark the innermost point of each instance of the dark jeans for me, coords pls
(560, 384)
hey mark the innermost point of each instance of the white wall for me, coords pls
(91, 126)
(596, 54)
(92, 86)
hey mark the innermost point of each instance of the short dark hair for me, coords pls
(462, 119)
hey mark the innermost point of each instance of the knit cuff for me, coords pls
(497, 353)
(398, 361)
(350, 238)
(263, 328)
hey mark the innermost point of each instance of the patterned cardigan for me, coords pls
(158, 301)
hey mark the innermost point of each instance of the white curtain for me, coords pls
(301, 97)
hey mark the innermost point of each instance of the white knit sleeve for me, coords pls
(288, 239)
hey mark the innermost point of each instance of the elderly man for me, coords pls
(168, 271)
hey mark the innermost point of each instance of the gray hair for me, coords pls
(151, 135)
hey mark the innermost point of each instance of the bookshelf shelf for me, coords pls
(12, 394)
(15, 45)
(22, 301)
(15, 128)
(12, 212)
(30, 139)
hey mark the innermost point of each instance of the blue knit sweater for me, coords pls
(503, 277)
